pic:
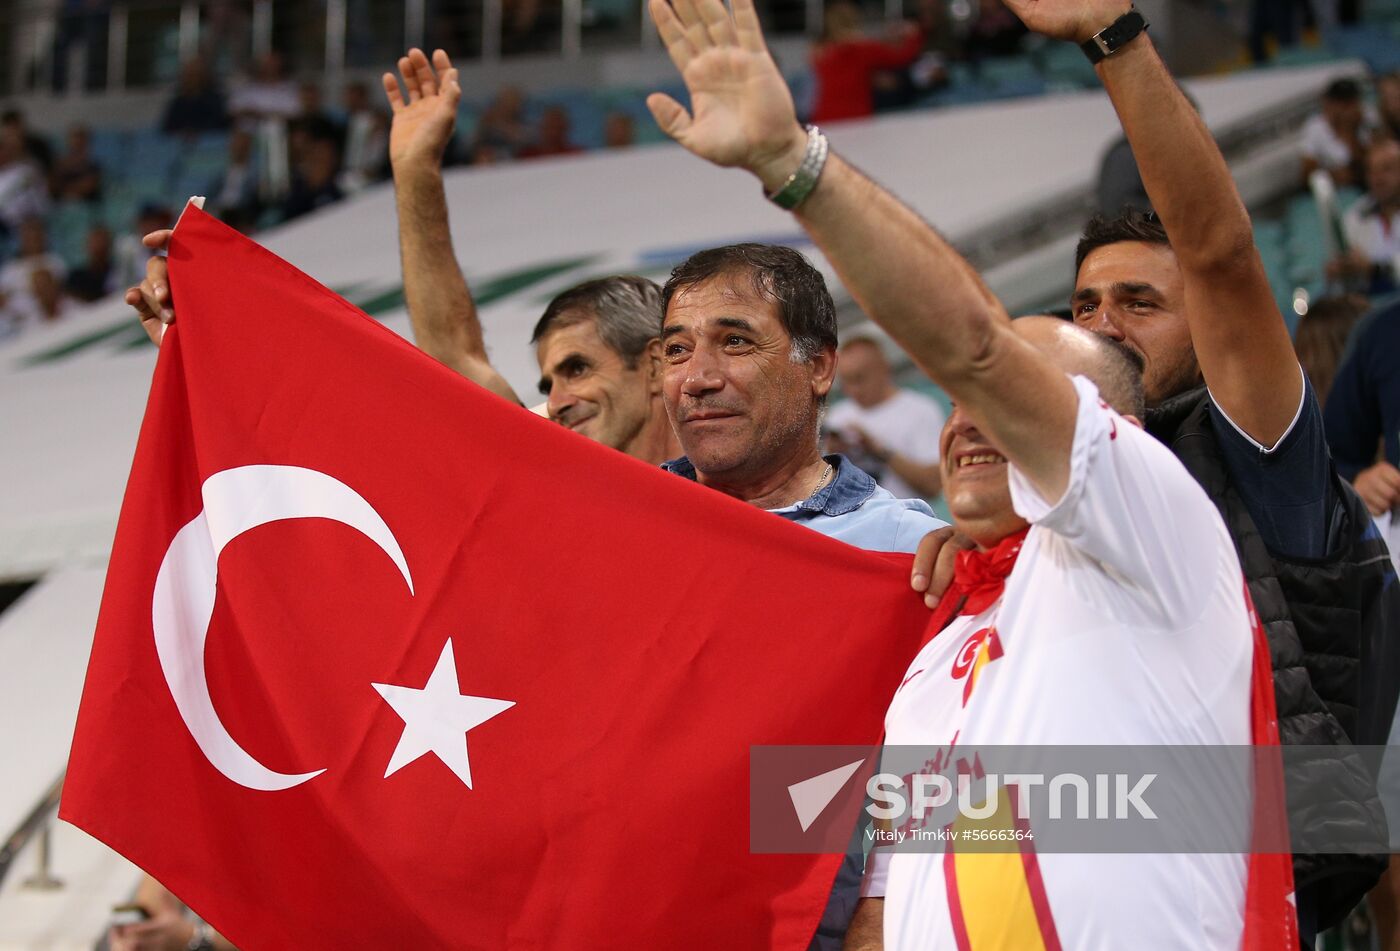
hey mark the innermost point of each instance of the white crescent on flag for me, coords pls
(236, 500)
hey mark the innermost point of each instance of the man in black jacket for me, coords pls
(1189, 294)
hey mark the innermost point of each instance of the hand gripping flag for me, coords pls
(384, 661)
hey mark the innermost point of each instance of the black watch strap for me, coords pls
(1113, 37)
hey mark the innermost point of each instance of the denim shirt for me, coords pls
(852, 509)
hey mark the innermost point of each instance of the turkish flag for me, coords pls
(385, 661)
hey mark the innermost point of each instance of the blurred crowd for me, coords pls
(287, 152)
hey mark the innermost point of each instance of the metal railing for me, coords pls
(134, 44)
(38, 823)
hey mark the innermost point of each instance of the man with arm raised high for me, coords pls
(1106, 550)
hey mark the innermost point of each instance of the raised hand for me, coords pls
(743, 114)
(151, 298)
(1075, 20)
(425, 112)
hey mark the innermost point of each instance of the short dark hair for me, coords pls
(626, 308)
(778, 274)
(1342, 90)
(1131, 225)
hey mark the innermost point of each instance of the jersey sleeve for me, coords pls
(1131, 506)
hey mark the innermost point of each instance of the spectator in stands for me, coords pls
(1321, 338)
(1253, 436)
(366, 140)
(1388, 104)
(314, 182)
(552, 137)
(311, 119)
(268, 93)
(311, 104)
(1336, 138)
(845, 62)
(198, 104)
(131, 253)
(1372, 259)
(522, 32)
(32, 283)
(235, 197)
(97, 277)
(618, 132)
(82, 24)
(22, 190)
(1272, 22)
(502, 129)
(1363, 414)
(226, 35)
(75, 176)
(34, 147)
(888, 431)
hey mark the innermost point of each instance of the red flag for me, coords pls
(469, 680)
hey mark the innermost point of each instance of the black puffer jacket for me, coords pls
(1333, 639)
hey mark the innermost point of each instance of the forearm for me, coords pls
(1182, 168)
(867, 930)
(1240, 340)
(440, 305)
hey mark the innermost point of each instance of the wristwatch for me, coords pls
(1114, 37)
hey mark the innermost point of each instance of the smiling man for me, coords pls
(600, 365)
(748, 345)
(749, 354)
(1187, 291)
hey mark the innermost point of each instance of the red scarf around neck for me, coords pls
(978, 579)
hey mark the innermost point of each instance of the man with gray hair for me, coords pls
(749, 350)
(599, 361)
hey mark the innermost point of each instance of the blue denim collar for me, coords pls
(850, 488)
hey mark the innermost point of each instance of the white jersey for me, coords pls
(1123, 622)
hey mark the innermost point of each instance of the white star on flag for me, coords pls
(436, 718)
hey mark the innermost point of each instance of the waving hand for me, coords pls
(743, 114)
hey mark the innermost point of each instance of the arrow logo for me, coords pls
(811, 796)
